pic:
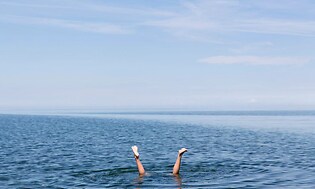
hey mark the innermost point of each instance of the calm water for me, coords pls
(93, 151)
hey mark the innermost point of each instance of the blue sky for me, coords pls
(215, 55)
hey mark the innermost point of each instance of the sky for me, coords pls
(138, 54)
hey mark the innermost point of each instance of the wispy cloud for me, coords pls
(255, 60)
(91, 7)
(88, 16)
(232, 16)
(129, 11)
(181, 23)
(197, 19)
(104, 28)
(251, 47)
(276, 26)
(34, 5)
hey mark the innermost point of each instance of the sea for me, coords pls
(226, 149)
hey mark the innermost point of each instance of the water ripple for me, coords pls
(78, 152)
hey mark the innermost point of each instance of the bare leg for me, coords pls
(138, 162)
(178, 160)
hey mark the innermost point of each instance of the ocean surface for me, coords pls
(93, 150)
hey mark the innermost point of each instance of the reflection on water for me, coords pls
(139, 180)
(178, 180)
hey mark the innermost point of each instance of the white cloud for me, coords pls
(233, 16)
(251, 47)
(128, 11)
(199, 19)
(255, 60)
(90, 7)
(276, 26)
(31, 5)
(70, 14)
(181, 23)
(104, 28)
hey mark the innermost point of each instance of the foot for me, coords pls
(182, 151)
(135, 151)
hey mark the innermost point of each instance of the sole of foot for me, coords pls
(135, 151)
(182, 151)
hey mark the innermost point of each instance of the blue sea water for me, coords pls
(92, 150)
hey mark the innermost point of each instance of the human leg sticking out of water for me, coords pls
(176, 165)
(138, 162)
(178, 160)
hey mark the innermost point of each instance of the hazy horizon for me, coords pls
(157, 111)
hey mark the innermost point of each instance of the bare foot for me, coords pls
(182, 151)
(135, 151)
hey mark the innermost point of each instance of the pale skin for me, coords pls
(176, 167)
(138, 162)
(178, 160)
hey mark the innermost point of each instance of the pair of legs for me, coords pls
(176, 165)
